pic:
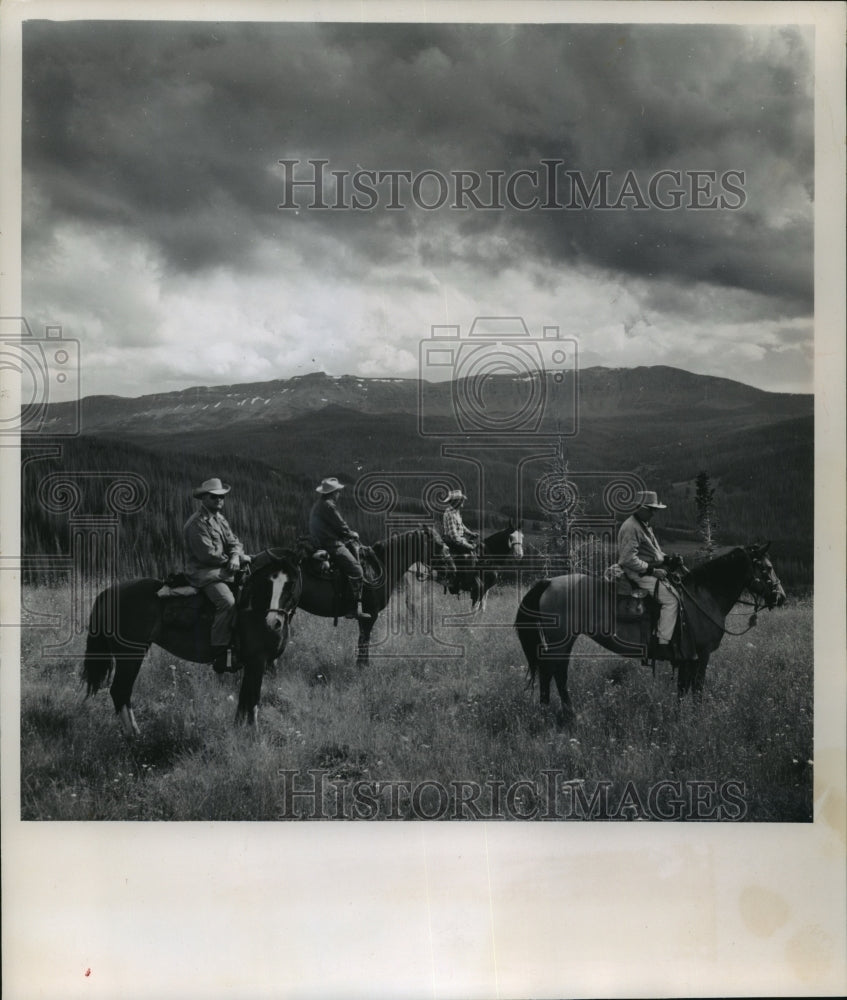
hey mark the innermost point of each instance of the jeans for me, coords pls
(222, 597)
(350, 567)
(668, 606)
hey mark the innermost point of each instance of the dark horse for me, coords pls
(128, 618)
(555, 611)
(503, 545)
(391, 559)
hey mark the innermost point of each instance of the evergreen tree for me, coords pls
(705, 499)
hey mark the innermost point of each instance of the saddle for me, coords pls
(632, 603)
(635, 604)
(318, 564)
(183, 604)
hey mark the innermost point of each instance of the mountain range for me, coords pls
(593, 392)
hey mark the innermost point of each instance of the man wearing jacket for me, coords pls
(330, 531)
(641, 557)
(213, 555)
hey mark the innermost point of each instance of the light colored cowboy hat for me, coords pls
(648, 498)
(330, 485)
(213, 486)
(454, 495)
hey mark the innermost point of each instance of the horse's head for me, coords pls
(515, 541)
(508, 541)
(764, 583)
(274, 586)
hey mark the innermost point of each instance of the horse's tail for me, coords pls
(99, 654)
(528, 625)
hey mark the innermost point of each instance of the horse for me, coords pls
(508, 543)
(127, 618)
(392, 558)
(555, 611)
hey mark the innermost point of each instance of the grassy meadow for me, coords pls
(359, 741)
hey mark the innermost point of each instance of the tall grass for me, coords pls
(407, 718)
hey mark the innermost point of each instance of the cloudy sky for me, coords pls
(152, 230)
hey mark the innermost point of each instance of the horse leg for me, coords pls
(699, 674)
(560, 675)
(126, 670)
(251, 686)
(686, 671)
(365, 628)
(545, 675)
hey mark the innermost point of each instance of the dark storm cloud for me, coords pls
(171, 132)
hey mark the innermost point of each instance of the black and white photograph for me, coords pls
(423, 499)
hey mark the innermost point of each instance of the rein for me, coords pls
(755, 606)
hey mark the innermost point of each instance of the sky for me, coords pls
(152, 185)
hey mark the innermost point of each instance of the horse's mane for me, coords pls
(275, 557)
(714, 571)
(394, 542)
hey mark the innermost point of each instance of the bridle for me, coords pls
(763, 581)
(288, 594)
(764, 584)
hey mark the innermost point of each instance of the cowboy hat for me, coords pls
(213, 486)
(454, 495)
(330, 485)
(648, 498)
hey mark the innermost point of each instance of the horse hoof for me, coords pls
(565, 718)
(128, 723)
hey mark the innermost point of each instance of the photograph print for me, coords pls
(417, 421)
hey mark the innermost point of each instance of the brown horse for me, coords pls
(128, 618)
(392, 558)
(555, 611)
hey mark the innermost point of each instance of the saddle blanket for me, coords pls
(186, 591)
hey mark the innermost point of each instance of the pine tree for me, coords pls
(705, 499)
(554, 496)
(568, 549)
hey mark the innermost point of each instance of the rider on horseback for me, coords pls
(641, 557)
(330, 531)
(214, 554)
(460, 540)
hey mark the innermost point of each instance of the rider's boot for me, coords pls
(222, 663)
(661, 651)
(357, 612)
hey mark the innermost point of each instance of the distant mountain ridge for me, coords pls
(595, 392)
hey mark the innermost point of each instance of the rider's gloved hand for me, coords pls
(660, 574)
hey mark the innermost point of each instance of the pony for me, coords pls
(392, 558)
(495, 551)
(555, 611)
(127, 618)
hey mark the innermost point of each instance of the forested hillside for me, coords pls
(763, 479)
